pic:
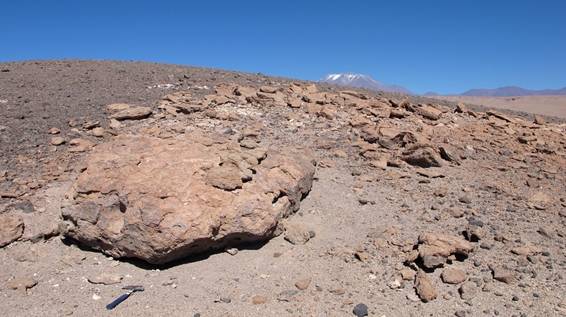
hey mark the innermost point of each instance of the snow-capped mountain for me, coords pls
(362, 81)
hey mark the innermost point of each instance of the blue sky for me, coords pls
(443, 46)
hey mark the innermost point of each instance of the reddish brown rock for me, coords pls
(429, 112)
(57, 140)
(303, 284)
(21, 283)
(160, 200)
(435, 248)
(503, 275)
(132, 113)
(424, 287)
(423, 156)
(453, 276)
(11, 228)
(80, 145)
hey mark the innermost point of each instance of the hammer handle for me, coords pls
(117, 301)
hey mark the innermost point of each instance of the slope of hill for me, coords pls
(362, 81)
(416, 207)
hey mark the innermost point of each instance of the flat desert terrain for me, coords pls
(554, 106)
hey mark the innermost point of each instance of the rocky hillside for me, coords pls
(230, 194)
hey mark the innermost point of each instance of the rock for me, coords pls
(398, 113)
(499, 116)
(435, 248)
(360, 310)
(460, 313)
(453, 276)
(89, 125)
(98, 132)
(429, 112)
(287, 296)
(24, 206)
(449, 153)
(362, 255)
(474, 233)
(160, 205)
(455, 212)
(540, 200)
(182, 101)
(433, 261)
(226, 300)
(11, 228)
(502, 275)
(395, 284)
(461, 108)
(303, 284)
(106, 279)
(21, 283)
(465, 199)
(525, 250)
(413, 297)
(468, 290)
(114, 124)
(407, 274)
(297, 233)
(117, 107)
(57, 140)
(424, 287)
(54, 131)
(268, 89)
(227, 177)
(232, 251)
(423, 156)
(430, 172)
(338, 291)
(80, 145)
(539, 119)
(259, 299)
(132, 113)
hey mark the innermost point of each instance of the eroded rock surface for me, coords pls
(160, 200)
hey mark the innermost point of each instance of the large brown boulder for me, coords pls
(159, 200)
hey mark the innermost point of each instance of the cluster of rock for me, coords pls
(434, 250)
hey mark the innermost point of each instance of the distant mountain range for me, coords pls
(367, 82)
(512, 91)
(362, 81)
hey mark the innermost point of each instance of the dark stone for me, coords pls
(24, 206)
(475, 222)
(360, 310)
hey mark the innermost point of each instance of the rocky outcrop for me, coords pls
(161, 200)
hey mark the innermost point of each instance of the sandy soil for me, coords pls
(554, 106)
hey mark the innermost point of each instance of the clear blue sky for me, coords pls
(443, 46)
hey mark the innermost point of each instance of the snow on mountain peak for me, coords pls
(361, 81)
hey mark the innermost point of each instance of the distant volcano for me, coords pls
(362, 81)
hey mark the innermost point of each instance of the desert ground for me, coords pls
(554, 106)
(236, 194)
